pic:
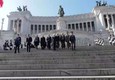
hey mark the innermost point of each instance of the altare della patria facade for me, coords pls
(87, 27)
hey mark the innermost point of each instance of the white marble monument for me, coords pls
(86, 27)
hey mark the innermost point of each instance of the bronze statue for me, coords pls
(99, 3)
(19, 9)
(61, 11)
(24, 8)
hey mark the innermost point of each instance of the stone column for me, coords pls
(13, 25)
(17, 25)
(107, 16)
(78, 26)
(37, 29)
(91, 26)
(75, 26)
(113, 24)
(41, 29)
(103, 20)
(87, 26)
(10, 26)
(112, 21)
(44, 28)
(33, 29)
(83, 27)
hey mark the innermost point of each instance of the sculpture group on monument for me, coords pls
(24, 8)
(100, 3)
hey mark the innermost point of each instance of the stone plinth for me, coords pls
(61, 24)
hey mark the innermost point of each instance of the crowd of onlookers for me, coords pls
(50, 42)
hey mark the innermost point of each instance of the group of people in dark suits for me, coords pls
(64, 41)
(51, 42)
(56, 41)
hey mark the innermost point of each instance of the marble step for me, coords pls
(59, 78)
(57, 61)
(48, 55)
(58, 72)
(56, 66)
(58, 53)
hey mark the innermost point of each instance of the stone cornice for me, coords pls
(109, 8)
(79, 17)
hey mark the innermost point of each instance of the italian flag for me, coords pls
(1, 3)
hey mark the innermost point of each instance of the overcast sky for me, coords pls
(49, 7)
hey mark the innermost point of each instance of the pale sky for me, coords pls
(48, 7)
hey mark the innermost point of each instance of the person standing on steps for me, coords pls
(28, 41)
(17, 43)
(43, 43)
(36, 42)
(73, 41)
(49, 40)
(67, 38)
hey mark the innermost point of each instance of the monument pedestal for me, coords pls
(61, 24)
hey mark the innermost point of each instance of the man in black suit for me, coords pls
(73, 41)
(17, 43)
(28, 41)
(49, 40)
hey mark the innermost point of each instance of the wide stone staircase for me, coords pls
(85, 63)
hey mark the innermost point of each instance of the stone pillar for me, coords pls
(44, 28)
(103, 20)
(112, 21)
(78, 27)
(113, 24)
(34, 29)
(10, 26)
(107, 16)
(91, 26)
(74, 27)
(61, 24)
(87, 26)
(83, 27)
(37, 29)
(17, 25)
(41, 29)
